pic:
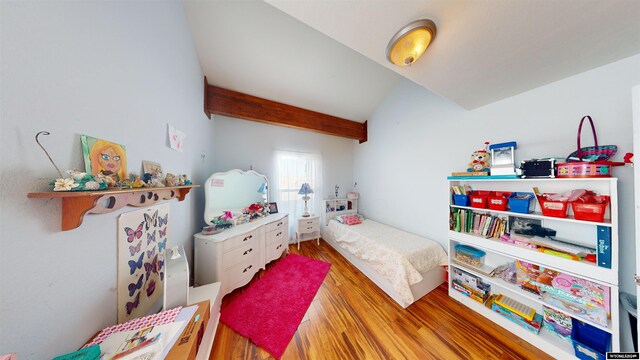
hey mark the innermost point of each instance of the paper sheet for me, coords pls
(176, 138)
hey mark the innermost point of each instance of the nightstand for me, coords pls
(308, 225)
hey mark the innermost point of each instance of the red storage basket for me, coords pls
(479, 199)
(498, 200)
(553, 208)
(590, 208)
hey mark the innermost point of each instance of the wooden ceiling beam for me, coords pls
(231, 103)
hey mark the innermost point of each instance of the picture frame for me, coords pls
(104, 157)
(151, 167)
(273, 208)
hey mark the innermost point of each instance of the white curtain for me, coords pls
(292, 169)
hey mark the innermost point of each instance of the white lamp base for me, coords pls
(306, 208)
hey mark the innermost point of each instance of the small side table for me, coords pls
(308, 225)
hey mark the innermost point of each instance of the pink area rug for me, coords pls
(270, 310)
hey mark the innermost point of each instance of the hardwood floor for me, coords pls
(351, 318)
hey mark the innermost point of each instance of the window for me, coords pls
(292, 169)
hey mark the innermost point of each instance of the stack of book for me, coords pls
(478, 224)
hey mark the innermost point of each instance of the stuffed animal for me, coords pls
(480, 160)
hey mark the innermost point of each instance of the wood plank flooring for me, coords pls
(351, 318)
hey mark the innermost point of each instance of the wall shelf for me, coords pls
(75, 204)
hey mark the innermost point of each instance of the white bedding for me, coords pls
(400, 257)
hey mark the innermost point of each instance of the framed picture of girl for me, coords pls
(273, 208)
(104, 157)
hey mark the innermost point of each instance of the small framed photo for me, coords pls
(273, 208)
(151, 167)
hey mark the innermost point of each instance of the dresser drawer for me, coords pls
(273, 251)
(241, 254)
(240, 240)
(304, 223)
(244, 270)
(303, 229)
(277, 235)
(276, 225)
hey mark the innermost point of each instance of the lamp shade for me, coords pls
(305, 189)
(408, 44)
(263, 188)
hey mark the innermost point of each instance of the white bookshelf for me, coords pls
(499, 253)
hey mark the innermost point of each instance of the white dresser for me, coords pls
(233, 256)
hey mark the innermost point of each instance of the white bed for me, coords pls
(403, 265)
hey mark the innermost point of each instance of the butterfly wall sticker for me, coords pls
(150, 220)
(151, 267)
(135, 286)
(151, 252)
(151, 287)
(136, 264)
(135, 249)
(162, 245)
(132, 305)
(160, 264)
(162, 233)
(151, 237)
(134, 234)
(163, 220)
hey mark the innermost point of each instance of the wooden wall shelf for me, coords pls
(77, 203)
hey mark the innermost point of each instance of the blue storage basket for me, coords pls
(522, 206)
(461, 200)
(589, 342)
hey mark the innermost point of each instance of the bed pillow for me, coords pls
(340, 218)
(351, 220)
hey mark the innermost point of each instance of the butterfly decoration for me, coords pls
(132, 305)
(136, 264)
(134, 234)
(160, 264)
(135, 286)
(151, 237)
(162, 245)
(135, 249)
(164, 220)
(161, 275)
(151, 220)
(151, 266)
(151, 252)
(162, 233)
(151, 287)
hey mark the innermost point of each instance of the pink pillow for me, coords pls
(351, 220)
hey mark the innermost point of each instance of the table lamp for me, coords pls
(305, 190)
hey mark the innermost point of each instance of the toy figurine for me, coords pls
(480, 160)
(170, 180)
(136, 183)
(179, 180)
(185, 180)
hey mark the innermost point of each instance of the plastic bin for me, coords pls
(553, 208)
(592, 209)
(460, 200)
(522, 202)
(470, 255)
(479, 199)
(589, 342)
(498, 200)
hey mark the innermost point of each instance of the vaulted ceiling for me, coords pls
(329, 56)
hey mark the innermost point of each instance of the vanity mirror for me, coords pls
(233, 190)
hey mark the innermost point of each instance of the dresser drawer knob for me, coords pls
(247, 238)
(310, 227)
(278, 234)
(280, 223)
(248, 251)
(247, 268)
(279, 246)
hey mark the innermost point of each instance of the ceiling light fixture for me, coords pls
(410, 42)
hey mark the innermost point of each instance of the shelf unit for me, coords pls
(498, 253)
(75, 204)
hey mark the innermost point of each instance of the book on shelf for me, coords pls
(471, 222)
(604, 246)
(557, 322)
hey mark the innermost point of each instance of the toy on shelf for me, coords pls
(503, 158)
(557, 322)
(170, 180)
(480, 160)
(80, 181)
(532, 325)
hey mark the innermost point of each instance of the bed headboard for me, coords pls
(339, 206)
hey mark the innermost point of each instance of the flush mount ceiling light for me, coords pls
(408, 44)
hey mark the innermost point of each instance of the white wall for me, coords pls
(416, 139)
(116, 70)
(240, 144)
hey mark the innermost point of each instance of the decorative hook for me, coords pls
(46, 152)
